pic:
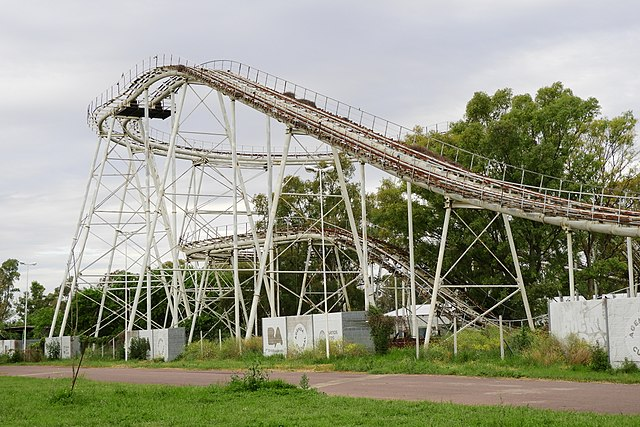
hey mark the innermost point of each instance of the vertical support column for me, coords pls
(147, 211)
(436, 279)
(303, 287)
(412, 272)
(633, 291)
(271, 295)
(403, 295)
(234, 201)
(516, 266)
(175, 277)
(277, 283)
(343, 282)
(269, 237)
(352, 221)
(199, 291)
(324, 267)
(395, 297)
(368, 300)
(572, 290)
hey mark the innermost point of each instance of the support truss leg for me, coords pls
(516, 265)
(437, 278)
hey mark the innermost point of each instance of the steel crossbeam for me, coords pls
(151, 200)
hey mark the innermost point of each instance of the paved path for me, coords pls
(557, 395)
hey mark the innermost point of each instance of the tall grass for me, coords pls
(30, 401)
(528, 354)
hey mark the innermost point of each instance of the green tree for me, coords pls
(40, 309)
(8, 275)
(555, 134)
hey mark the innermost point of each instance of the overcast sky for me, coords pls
(412, 62)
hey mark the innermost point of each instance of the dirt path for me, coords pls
(557, 395)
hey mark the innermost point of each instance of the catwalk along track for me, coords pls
(384, 145)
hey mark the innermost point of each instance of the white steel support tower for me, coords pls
(172, 230)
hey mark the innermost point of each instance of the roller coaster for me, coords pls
(157, 199)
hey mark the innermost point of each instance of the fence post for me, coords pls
(455, 336)
(501, 338)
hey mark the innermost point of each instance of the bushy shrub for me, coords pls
(255, 378)
(138, 348)
(599, 359)
(628, 367)
(230, 349)
(252, 346)
(207, 350)
(33, 354)
(304, 382)
(252, 380)
(16, 356)
(473, 344)
(381, 329)
(53, 351)
(201, 350)
(440, 351)
(350, 349)
(520, 341)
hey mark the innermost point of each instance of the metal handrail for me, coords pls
(462, 174)
(385, 128)
(392, 130)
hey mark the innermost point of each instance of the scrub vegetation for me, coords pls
(527, 355)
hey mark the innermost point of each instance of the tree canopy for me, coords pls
(8, 275)
(554, 133)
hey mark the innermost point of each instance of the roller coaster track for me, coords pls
(129, 203)
(391, 257)
(382, 144)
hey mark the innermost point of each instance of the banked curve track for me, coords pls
(357, 133)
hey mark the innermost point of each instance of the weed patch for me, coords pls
(256, 378)
(139, 348)
(61, 397)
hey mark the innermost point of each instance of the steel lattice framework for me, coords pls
(169, 209)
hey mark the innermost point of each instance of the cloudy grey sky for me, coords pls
(412, 62)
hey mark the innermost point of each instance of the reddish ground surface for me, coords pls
(558, 395)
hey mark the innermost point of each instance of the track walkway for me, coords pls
(556, 395)
(385, 145)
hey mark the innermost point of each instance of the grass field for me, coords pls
(29, 402)
(39, 402)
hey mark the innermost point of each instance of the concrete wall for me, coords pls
(299, 333)
(294, 334)
(355, 329)
(613, 323)
(69, 346)
(166, 344)
(320, 325)
(586, 319)
(9, 346)
(274, 336)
